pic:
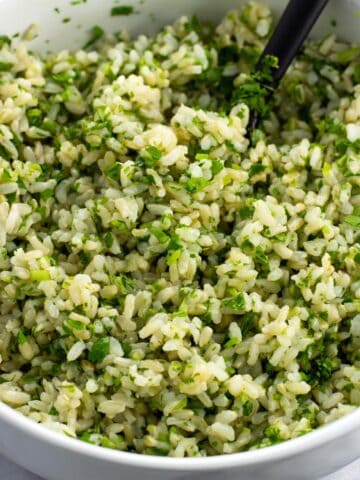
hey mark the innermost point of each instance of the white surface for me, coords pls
(10, 471)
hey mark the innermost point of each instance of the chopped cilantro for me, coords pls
(193, 25)
(272, 433)
(216, 166)
(174, 243)
(316, 362)
(119, 225)
(46, 194)
(152, 156)
(74, 325)
(99, 349)
(246, 212)
(194, 185)
(161, 236)
(356, 74)
(113, 171)
(329, 125)
(6, 175)
(255, 89)
(247, 322)
(96, 33)
(256, 169)
(228, 54)
(247, 408)
(124, 283)
(5, 66)
(122, 10)
(348, 55)
(4, 40)
(353, 219)
(53, 411)
(21, 337)
(232, 342)
(39, 275)
(173, 257)
(236, 303)
(63, 78)
(109, 240)
(126, 348)
(261, 258)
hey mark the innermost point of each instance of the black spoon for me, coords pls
(289, 35)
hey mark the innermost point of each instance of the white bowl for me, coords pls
(57, 457)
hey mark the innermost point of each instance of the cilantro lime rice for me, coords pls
(166, 287)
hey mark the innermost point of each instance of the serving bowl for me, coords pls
(57, 457)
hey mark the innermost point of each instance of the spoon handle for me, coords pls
(290, 33)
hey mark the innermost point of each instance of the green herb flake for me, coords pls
(113, 171)
(247, 408)
(46, 194)
(246, 212)
(4, 40)
(99, 349)
(261, 258)
(348, 55)
(127, 348)
(95, 34)
(39, 275)
(122, 10)
(6, 175)
(232, 342)
(216, 166)
(353, 219)
(256, 169)
(34, 116)
(181, 404)
(272, 433)
(5, 66)
(356, 74)
(236, 303)
(119, 225)
(159, 234)
(74, 324)
(152, 157)
(21, 338)
(53, 411)
(194, 185)
(174, 243)
(108, 240)
(254, 91)
(173, 257)
(124, 283)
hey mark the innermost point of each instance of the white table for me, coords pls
(10, 471)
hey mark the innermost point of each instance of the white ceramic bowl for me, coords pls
(57, 457)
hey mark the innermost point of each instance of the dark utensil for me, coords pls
(289, 35)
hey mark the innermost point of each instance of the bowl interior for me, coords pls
(66, 24)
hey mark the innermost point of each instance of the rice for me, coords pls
(166, 286)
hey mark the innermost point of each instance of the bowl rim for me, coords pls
(286, 449)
